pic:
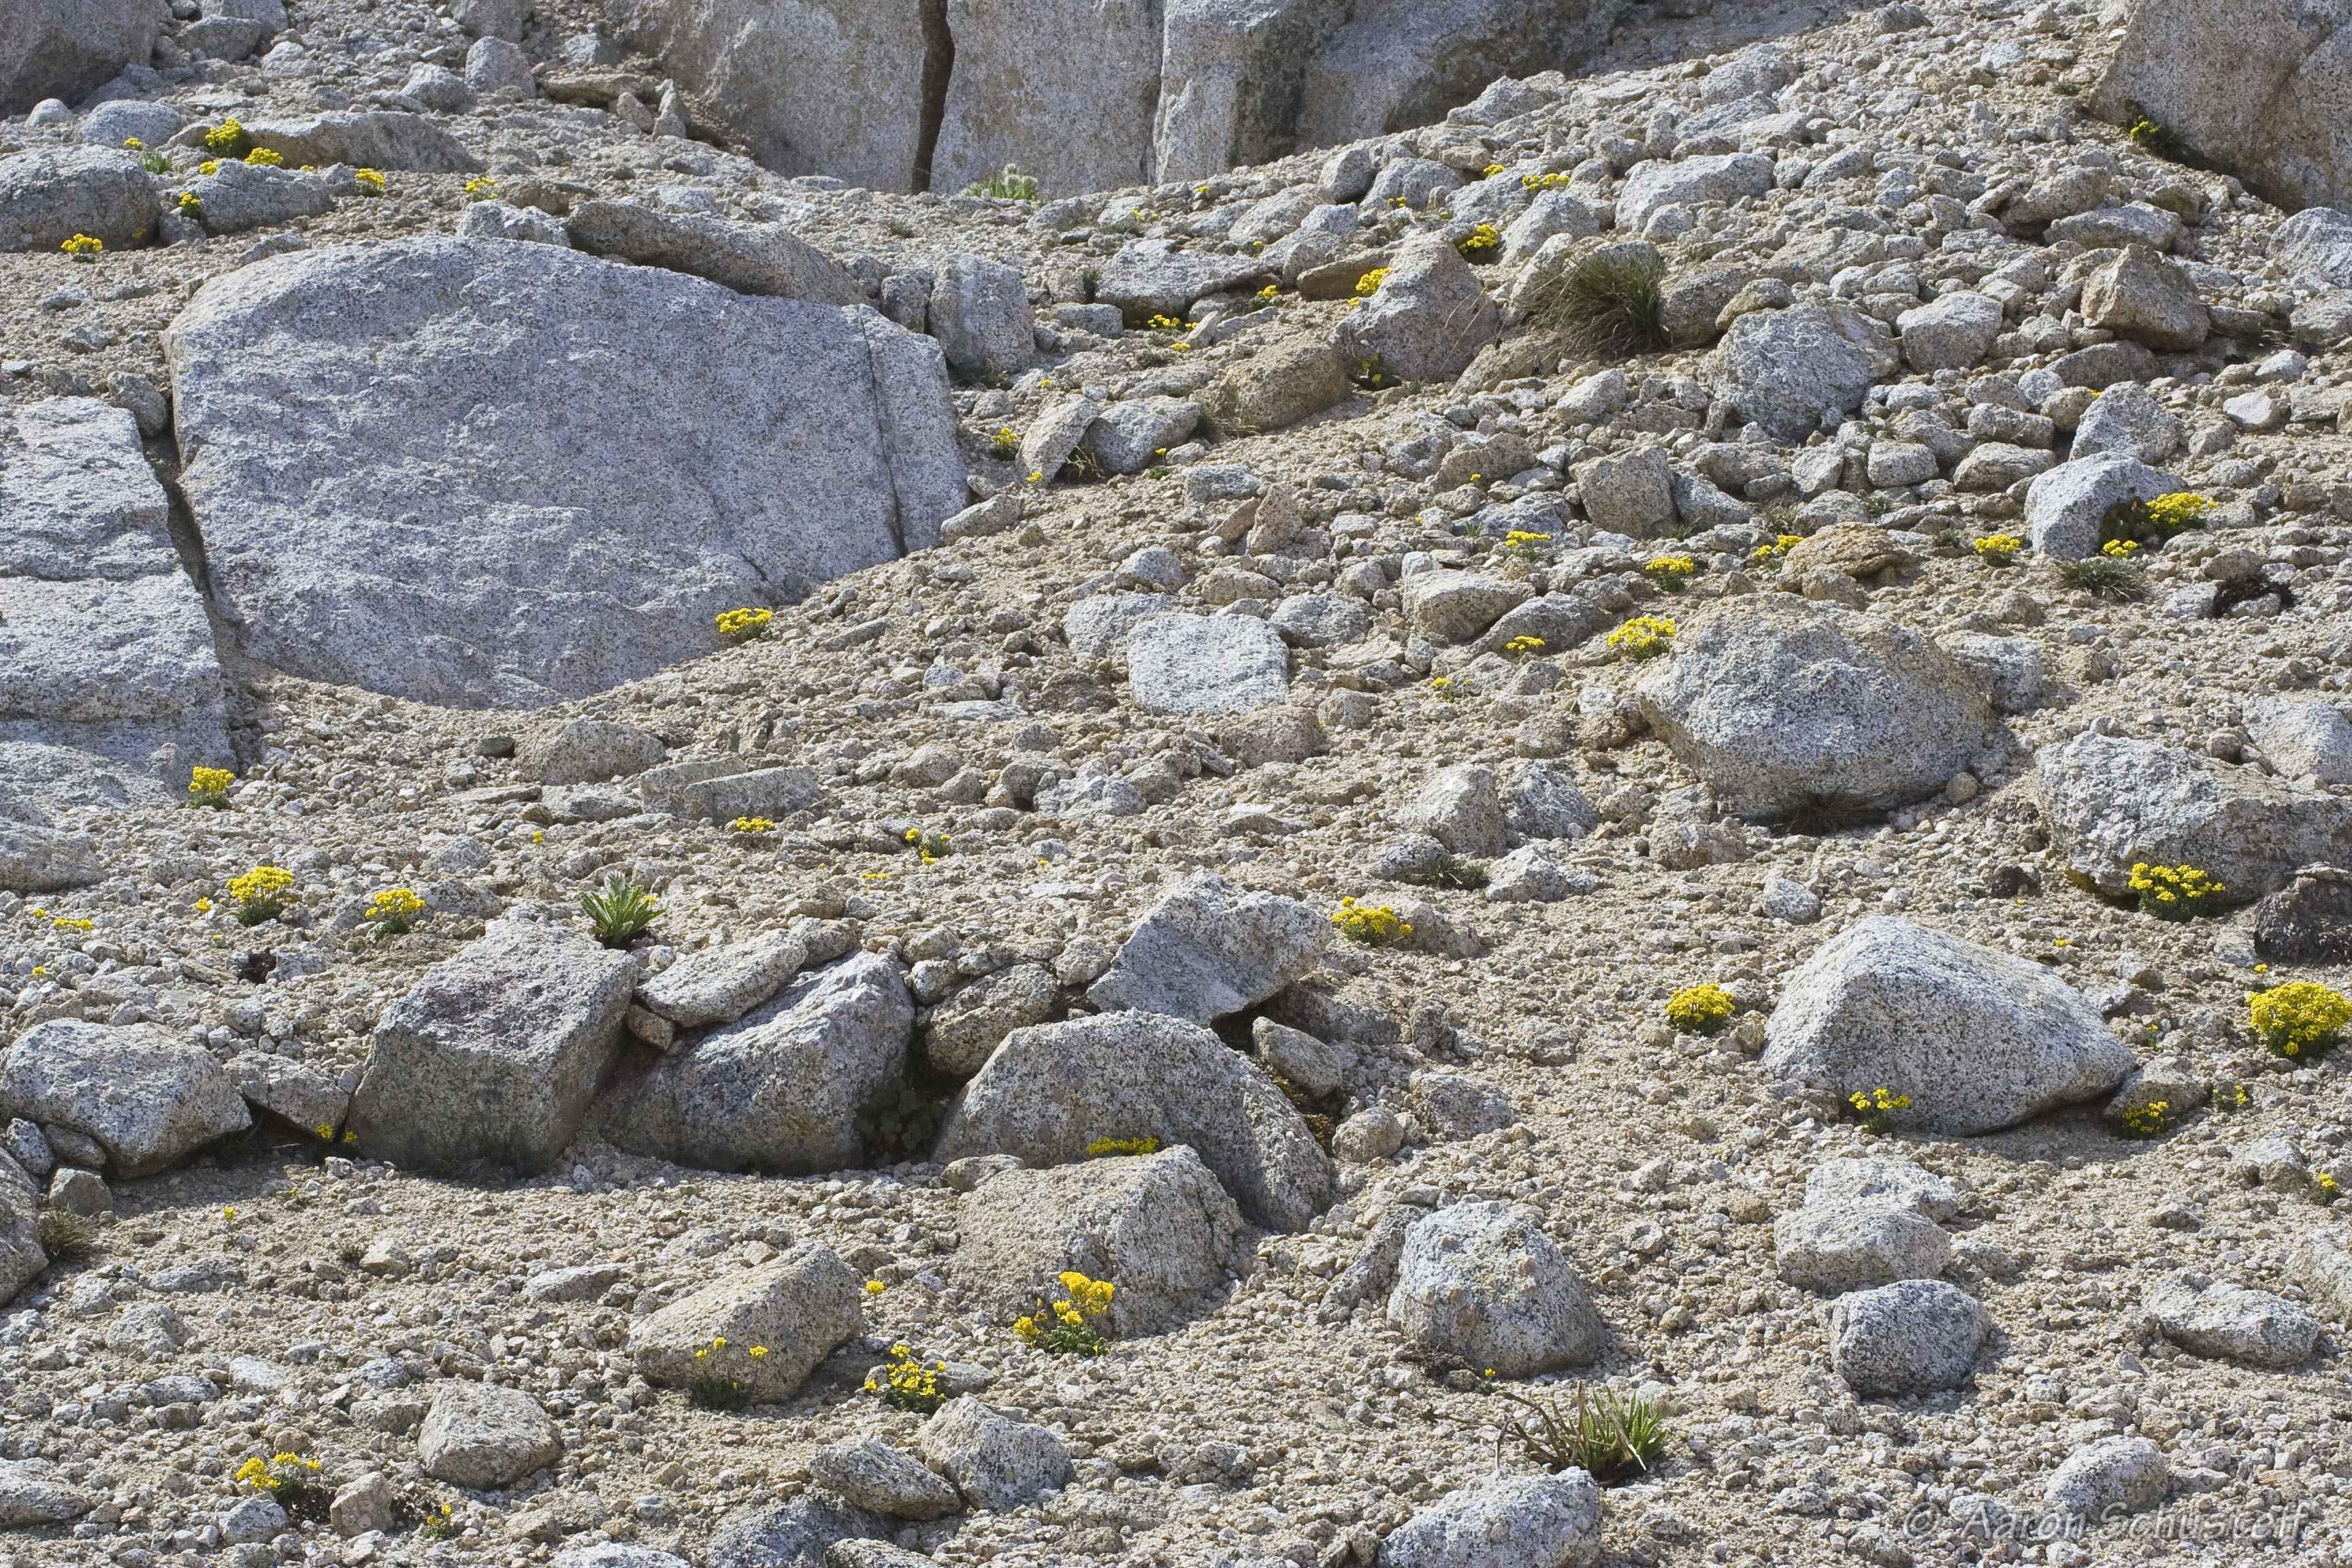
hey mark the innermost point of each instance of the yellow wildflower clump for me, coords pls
(1765, 555)
(905, 1383)
(1161, 323)
(1875, 1108)
(739, 626)
(261, 894)
(209, 166)
(1369, 285)
(2147, 1120)
(208, 787)
(227, 136)
(1100, 1147)
(1374, 925)
(264, 158)
(83, 246)
(1073, 1324)
(2299, 1017)
(2121, 549)
(1644, 636)
(2180, 511)
(283, 1475)
(1671, 571)
(1523, 647)
(1527, 545)
(190, 202)
(1998, 549)
(1481, 244)
(1543, 181)
(482, 188)
(1699, 1009)
(2175, 892)
(753, 825)
(395, 911)
(370, 182)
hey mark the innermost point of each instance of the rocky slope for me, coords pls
(1139, 639)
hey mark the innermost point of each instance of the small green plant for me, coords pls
(261, 894)
(2175, 892)
(155, 162)
(1998, 549)
(1104, 1147)
(208, 788)
(370, 182)
(2154, 137)
(1374, 925)
(227, 139)
(713, 1388)
(2325, 1189)
(395, 912)
(1007, 185)
(438, 1525)
(1451, 870)
(1671, 571)
(191, 204)
(1071, 1325)
(1610, 1436)
(283, 1476)
(905, 1383)
(65, 1234)
(1644, 636)
(2148, 1120)
(900, 1123)
(1875, 1108)
(899, 228)
(1481, 245)
(1607, 302)
(2105, 577)
(739, 626)
(1700, 1009)
(1006, 446)
(2152, 521)
(932, 847)
(619, 911)
(2300, 1018)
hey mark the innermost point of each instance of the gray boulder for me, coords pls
(1528, 875)
(763, 259)
(803, 1533)
(2109, 1477)
(1953, 331)
(1097, 627)
(2065, 505)
(2228, 1322)
(482, 1435)
(585, 751)
(2324, 1269)
(118, 121)
(1875, 1182)
(1834, 1247)
(1689, 182)
(1396, 64)
(719, 480)
(146, 1098)
(2127, 422)
(1460, 808)
(2302, 736)
(369, 139)
(964, 1030)
(798, 1309)
(1150, 278)
(1130, 436)
(2316, 243)
(1503, 1521)
(68, 49)
(1544, 801)
(2113, 803)
(1051, 1090)
(1207, 949)
(237, 197)
(2147, 299)
(22, 1256)
(996, 1462)
(1785, 369)
(1079, 119)
(1632, 493)
(495, 1053)
(1428, 319)
(1781, 702)
(84, 539)
(437, 88)
(722, 789)
(1481, 1281)
(2009, 670)
(31, 1494)
(498, 64)
(980, 313)
(1914, 1336)
(870, 1474)
(1320, 620)
(1206, 663)
(719, 985)
(781, 1089)
(2271, 107)
(1979, 1039)
(49, 195)
(1456, 607)
(1157, 1226)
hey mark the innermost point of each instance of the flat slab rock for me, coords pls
(632, 451)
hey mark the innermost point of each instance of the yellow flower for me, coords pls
(370, 182)
(83, 246)
(1998, 549)
(1644, 636)
(741, 627)
(758, 1352)
(874, 1286)
(1700, 1009)
(753, 825)
(209, 166)
(2298, 1017)
(209, 781)
(482, 188)
(189, 201)
(1100, 1147)
(1374, 925)
(265, 157)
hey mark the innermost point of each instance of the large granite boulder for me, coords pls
(780, 1088)
(1207, 949)
(830, 86)
(1977, 1038)
(1785, 369)
(2274, 106)
(51, 195)
(1783, 704)
(2113, 803)
(144, 1098)
(1429, 318)
(641, 450)
(368, 139)
(1052, 1090)
(104, 646)
(1395, 64)
(1077, 118)
(494, 1053)
(68, 49)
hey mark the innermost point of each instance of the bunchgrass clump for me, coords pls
(2104, 576)
(2299, 1019)
(1611, 1436)
(1007, 185)
(620, 910)
(1700, 1009)
(1606, 303)
(1071, 1324)
(2175, 892)
(1451, 870)
(65, 1234)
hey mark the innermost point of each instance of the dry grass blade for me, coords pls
(1605, 301)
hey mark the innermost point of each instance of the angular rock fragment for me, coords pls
(1482, 1282)
(482, 1435)
(1207, 949)
(764, 259)
(797, 1309)
(1834, 1247)
(146, 1098)
(996, 1462)
(1914, 1336)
